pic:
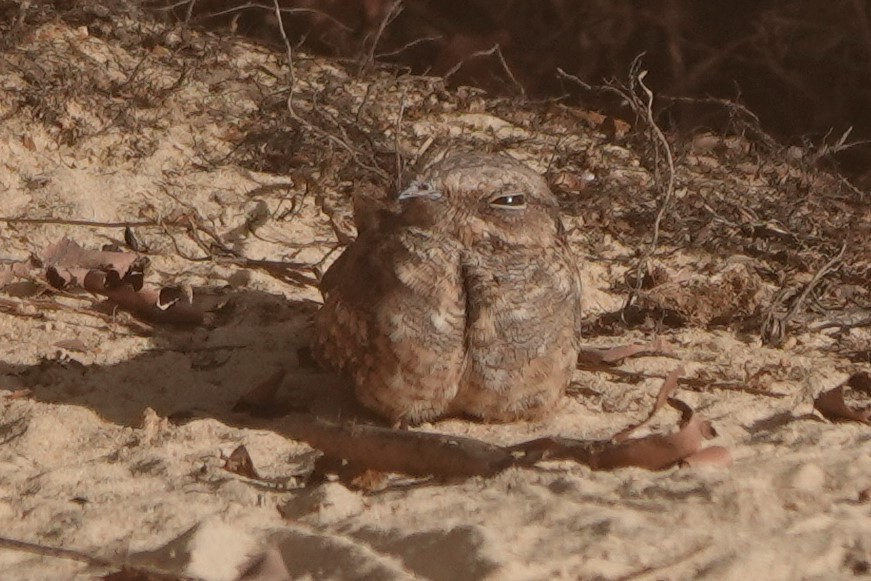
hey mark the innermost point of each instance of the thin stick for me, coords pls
(395, 10)
(289, 50)
(55, 552)
(79, 222)
(247, 5)
(396, 131)
(773, 327)
(407, 46)
(79, 556)
(643, 109)
(312, 127)
(669, 189)
(495, 49)
(843, 327)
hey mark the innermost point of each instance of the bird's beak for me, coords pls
(420, 190)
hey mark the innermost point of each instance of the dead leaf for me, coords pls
(133, 242)
(119, 276)
(68, 258)
(657, 451)
(267, 566)
(653, 452)
(832, 406)
(669, 386)
(861, 382)
(72, 345)
(717, 456)
(145, 305)
(260, 400)
(9, 272)
(239, 462)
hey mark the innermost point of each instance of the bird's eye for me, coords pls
(516, 201)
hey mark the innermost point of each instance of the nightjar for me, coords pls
(463, 300)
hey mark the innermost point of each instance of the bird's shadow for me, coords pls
(189, 373)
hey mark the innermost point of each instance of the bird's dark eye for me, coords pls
(509, 201)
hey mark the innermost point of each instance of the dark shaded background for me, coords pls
(803, 66)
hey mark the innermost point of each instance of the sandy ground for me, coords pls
(114, 448)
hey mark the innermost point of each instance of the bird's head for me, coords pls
(485, 198)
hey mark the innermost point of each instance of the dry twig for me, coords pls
(137, 572)
(643, 109)
(495, 49)
(774, 327)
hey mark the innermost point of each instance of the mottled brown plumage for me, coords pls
(463, 301)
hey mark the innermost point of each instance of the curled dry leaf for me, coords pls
(260, 400)
(653, 452)
(119, 276)
(72, 345)
(656, 451)
(832, 406)
(861, 382)
(669, 386)
(133, 241)
(239, 462)
(711, 456)
(144, 303)
(71, 262)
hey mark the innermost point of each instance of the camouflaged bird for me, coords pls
(462, 300)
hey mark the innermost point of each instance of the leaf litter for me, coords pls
(117, 275)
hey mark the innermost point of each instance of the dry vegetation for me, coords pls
(800, 66)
